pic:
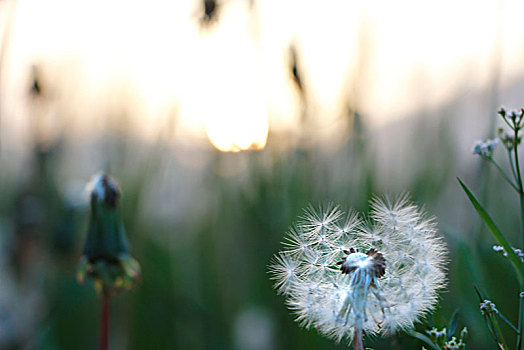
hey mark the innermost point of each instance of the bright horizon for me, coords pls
(152, 62)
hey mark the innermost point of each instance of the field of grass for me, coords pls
(204, 240)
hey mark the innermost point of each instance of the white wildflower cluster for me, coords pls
(488, 307)
(441, 339)
(485, 148)
(500, 249)
(341, 274)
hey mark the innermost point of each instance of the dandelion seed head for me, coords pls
(339, 272)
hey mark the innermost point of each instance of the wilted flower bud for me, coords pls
(106, 257)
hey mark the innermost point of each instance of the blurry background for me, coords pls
(222, 120)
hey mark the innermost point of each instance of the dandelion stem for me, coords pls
(357, 339)
(104, 321)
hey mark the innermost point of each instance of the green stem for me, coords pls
(521, 302)
(521, 316)
(517, 168)
(499, 332)
(508, 123)
(521, 197)
(422, 337)
(512, 165)
(503, 174)
(506, 321)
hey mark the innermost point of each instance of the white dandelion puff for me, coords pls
(345, 276)
(283, 270)
(316, 224)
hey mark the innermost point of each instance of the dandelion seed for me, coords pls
(345, 277)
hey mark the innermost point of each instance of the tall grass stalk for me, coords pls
(485, 149)
(521, 197)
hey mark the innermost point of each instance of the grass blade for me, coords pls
(423, 338)
(499, 237)
(452, 325)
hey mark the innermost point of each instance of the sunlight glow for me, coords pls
(232, 134)
(149, 70)
(226, 88)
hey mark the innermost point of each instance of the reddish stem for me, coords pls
(358, 344)
(104, 321)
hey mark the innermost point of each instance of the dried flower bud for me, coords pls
(106, 257)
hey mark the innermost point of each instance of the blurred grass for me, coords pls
(201, 272)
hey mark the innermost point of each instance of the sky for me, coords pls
(229, 81)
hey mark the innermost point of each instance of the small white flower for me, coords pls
(485, 148)
(488, 307)
(500, 249)
(340, 274)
